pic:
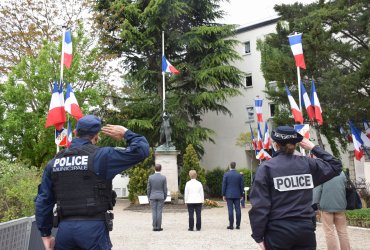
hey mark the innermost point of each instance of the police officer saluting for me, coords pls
(281, 196)
(79, 181)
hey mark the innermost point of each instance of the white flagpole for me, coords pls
(163, 78)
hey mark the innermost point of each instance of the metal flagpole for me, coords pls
(61, 64)
(299, 88)
(163, 78)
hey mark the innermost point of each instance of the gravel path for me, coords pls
(133, 230)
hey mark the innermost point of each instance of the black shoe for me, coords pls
(161, 229)
(198, 229)
(190, 229)
(237, 227)
(154, 229)
(230, 227)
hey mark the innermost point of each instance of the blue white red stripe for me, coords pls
(258, 106)
(266, 138)
(61, 137)
(316, 104)
(57, 114)
(306, 102)
(295, 42)
(303, 129)
(167, 66)
(259, 138)
(252, 137)
(67, 49)
(69, 135)
(357, 142)
(71, 104)
(297, 114)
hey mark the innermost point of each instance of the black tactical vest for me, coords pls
(79, 192)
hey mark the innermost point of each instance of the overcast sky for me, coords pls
(251, 11)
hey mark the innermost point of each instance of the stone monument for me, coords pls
(166, 155)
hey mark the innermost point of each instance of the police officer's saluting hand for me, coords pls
(281, 196)
(79, 182)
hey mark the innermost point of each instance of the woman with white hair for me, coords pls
(194, 197)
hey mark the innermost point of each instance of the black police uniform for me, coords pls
(281, 198)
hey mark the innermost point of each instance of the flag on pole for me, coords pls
(297, 114)
(167, 66)
(67, 49)
(253, 140)
(303, 129)
(259, 138)
(258, 105)
(307, 103)
(295, 42)
(262, 154)
(61, 137)
(316, 104)
(57, 114)
(71, 104)
(69, 135)
(357, 142)
(266, 138)
(367, 128)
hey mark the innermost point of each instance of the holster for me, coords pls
(109, 220)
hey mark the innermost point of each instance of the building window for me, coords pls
(248, 81)
(247, 47)
(250, 113)
(272, 109)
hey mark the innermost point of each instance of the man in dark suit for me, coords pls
(157, 193)
(232, 192)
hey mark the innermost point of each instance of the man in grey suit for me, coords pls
(157, 193)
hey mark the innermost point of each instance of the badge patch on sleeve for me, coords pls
(293, 182)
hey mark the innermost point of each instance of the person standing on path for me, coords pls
(194, 197)
(232, 192)
(281, 196)
(79, 181)
(157, 194)
(330, 198)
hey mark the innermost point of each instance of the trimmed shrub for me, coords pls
(214, 182)
(191, 162)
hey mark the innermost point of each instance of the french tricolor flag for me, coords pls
(316, 104)
(61, 137)
(266, 138)
(67, 49)
(253, 140)
(57, 113)
(69, 135)
(307, 103)
(357, 142)
(297, 114)
(71, 104)
(258, 105)
(259, 138)
(295, 42)
(167, 66)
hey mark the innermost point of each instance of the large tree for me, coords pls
(200, 48)
(25, 98)
(337, 55)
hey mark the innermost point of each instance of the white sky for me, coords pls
(251, 11)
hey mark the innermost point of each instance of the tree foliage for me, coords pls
(191, 162)
(214, 182)
(194, 44)
(18, 187)
(26, 94)
(336, 49)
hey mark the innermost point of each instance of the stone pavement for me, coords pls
(133, 230)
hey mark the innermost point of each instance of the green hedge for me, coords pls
(359, 217)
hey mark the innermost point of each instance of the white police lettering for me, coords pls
(71, 163)
(293, 182)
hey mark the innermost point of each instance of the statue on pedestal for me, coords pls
(165, 133)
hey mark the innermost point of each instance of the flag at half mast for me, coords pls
(167, 66)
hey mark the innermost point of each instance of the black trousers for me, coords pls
(198, 210)
(290, 235)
